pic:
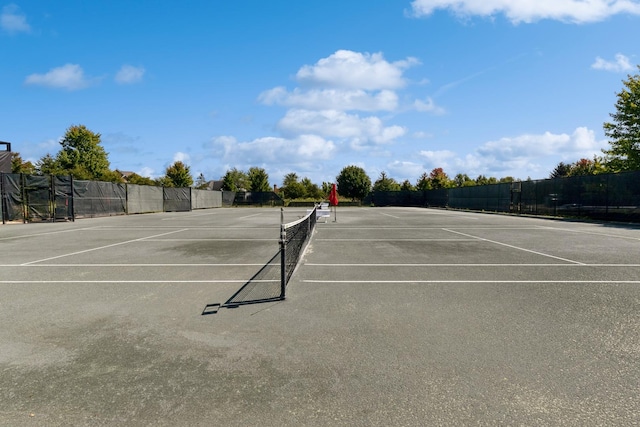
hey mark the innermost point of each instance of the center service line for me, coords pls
(514, 247)
(104, 247)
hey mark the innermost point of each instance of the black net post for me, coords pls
(283, 256)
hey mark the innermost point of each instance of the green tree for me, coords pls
(20, 166)
(258, 180)
(463, 180)
(353, 182)
(326, 188)
(48, 165)
(561, 170)
(406, 186)
(484, 180)
(587, 167)
(82, 155)
(423, 183)
(311, 190)
(291, 188)
(235, 180)
(624, 130)
(384, 183)
(134, 178)
(178, 175)
(439, 179)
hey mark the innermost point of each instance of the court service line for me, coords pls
(250, 216)
(581, 265)
(15, 282)
(47, 233)
(396, 240)
(592, 233)
(130, 265)
(392, 216)
(515, 247)
(475, 281)
(183, 218)
(103, 247)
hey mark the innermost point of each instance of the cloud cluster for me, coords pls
(72, 77)
(69, 76)
(527, 11)
(619, 65)
(13, 21)
(335, 106)
(517, 156)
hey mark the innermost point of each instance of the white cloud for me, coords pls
(181, 157)
(411, 170)
(129, 74)
(69, 76)
(437, 159)
(302, 148)
(354, 70)
(620, 64)
(146, 171)
(331, 123)
(428, 106)
(12, 21)
(528, 155)
(332, 99)
(577, 11)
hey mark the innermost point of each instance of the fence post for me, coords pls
(4, 206)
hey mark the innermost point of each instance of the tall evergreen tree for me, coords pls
(624, 130)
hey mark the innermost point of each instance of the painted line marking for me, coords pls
(13, 282)
(132, 265)
(46, 234)
(392, 216)
(514, 247)
(104, 247)
(467, 265)
(475, 281)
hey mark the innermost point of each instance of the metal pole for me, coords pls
(4, 207)
(283, 256)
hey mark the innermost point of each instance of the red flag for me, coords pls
(333, 197)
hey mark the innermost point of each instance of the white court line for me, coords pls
(14, 282)
(46, 234)
(250, 216)
(592, 233)
(182, 218)
(395, 240)
(392, 216)
(515, 247)
(437, 227)
(103, 247)
(580, 265)
(129, 265)
(214, 240)
(475, 281)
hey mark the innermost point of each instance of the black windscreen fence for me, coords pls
(177, 199)
(609, 197)
(96, 198)
(41, 198)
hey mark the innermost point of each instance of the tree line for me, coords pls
(82, 156)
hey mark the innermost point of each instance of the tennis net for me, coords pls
(293, 238)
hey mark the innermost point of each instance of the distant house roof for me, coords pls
(214, 185)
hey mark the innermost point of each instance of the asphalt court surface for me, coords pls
(395, 316)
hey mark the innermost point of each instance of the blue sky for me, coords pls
(492, 87)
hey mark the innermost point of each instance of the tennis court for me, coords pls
(394, 316)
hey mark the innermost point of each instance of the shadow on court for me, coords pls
(263, 287)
